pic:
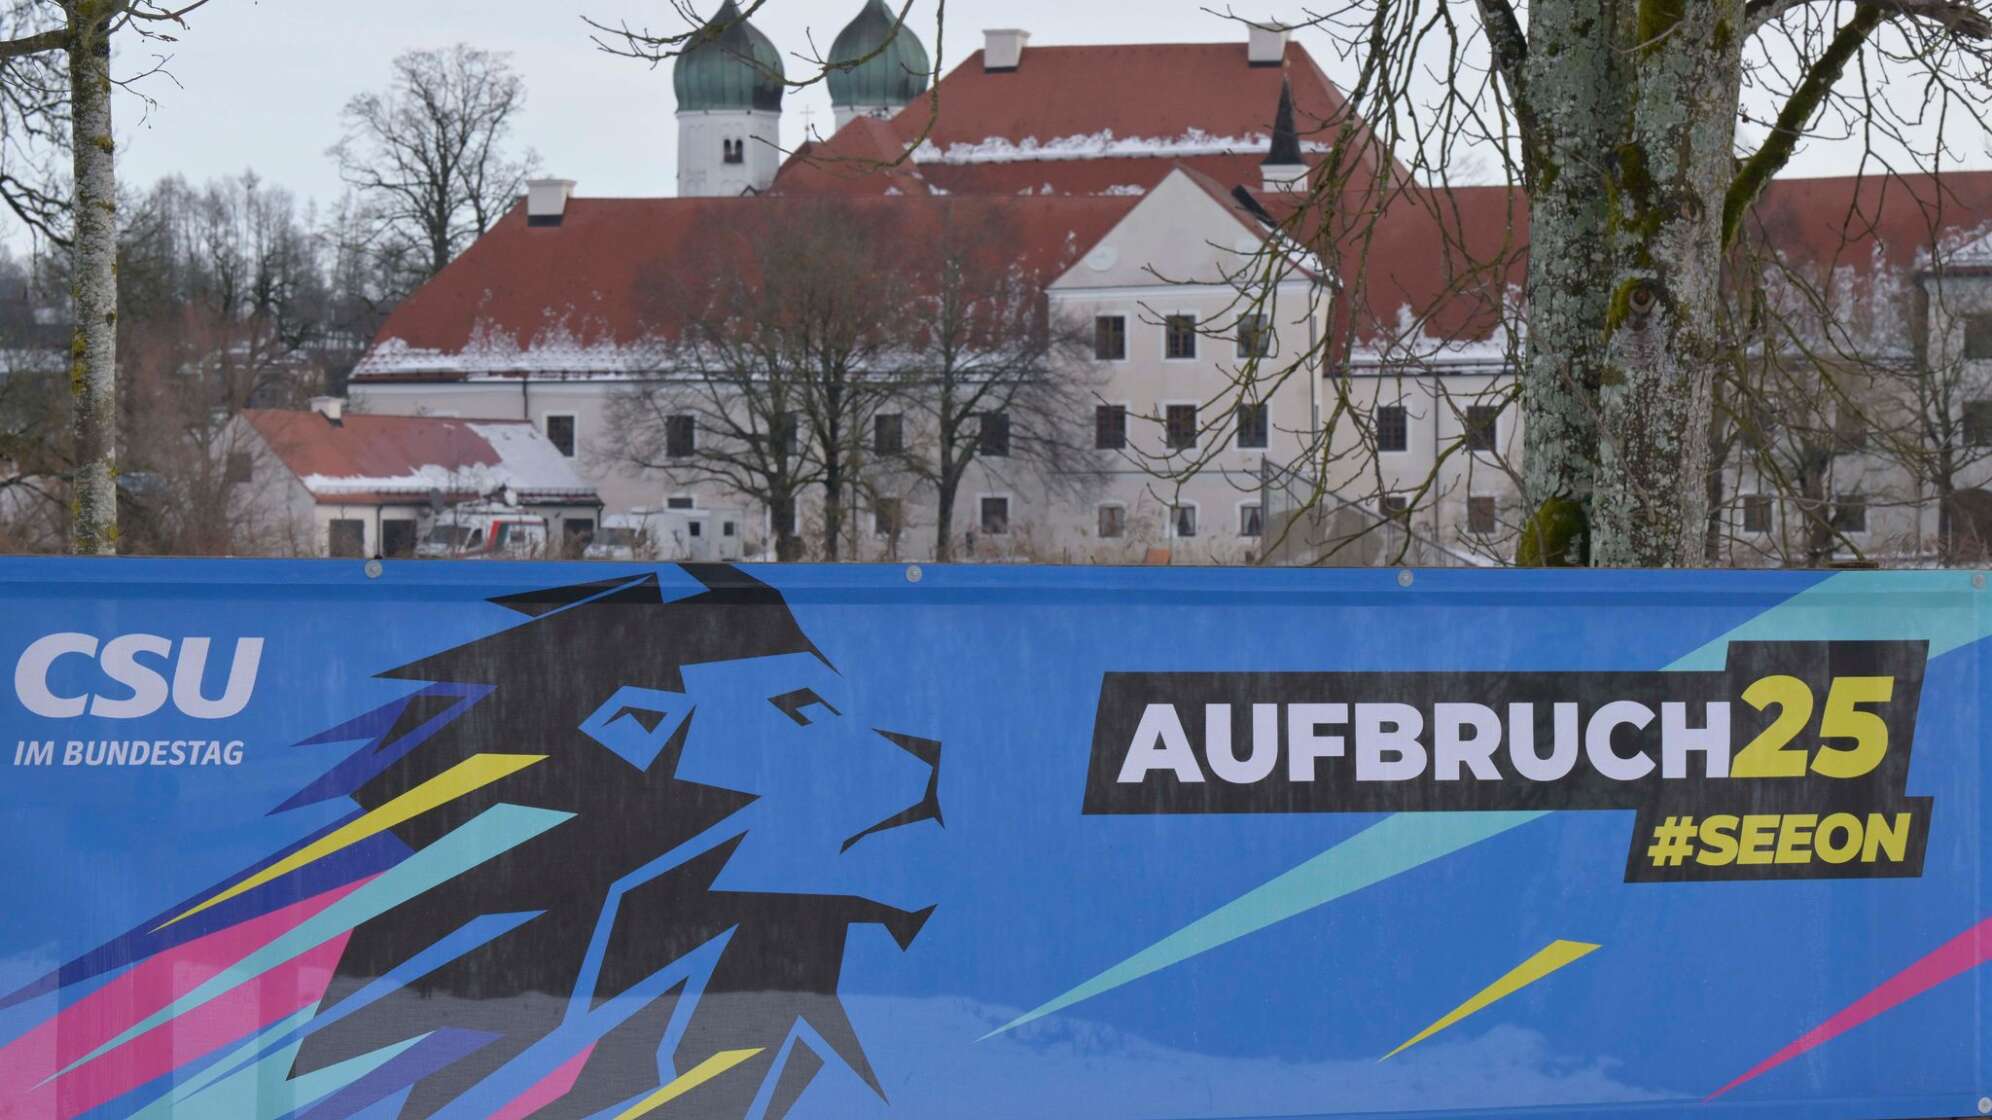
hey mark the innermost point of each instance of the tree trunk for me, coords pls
(831, 436)
(947, 488)
(1715, 525)
(1669, 184)
(1575, 92)
(1819, 538)
(788, 546)
(93, 349)
(1945, 487)
(833, 505)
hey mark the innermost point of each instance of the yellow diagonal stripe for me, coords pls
(472, 773)
(1547, 960)
(691, 1079)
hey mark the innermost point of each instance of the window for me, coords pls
(560, 432)
(1481, 426)
(1251, 520)
(994, 437)
(1849, 430)
(726, 528)
(1978, 423)
(888, 434)
(1110, 427)
(1252, 425)
(1480, 516)
(1180, 426)
(397, 537)
(680, 436)
(576, 532)
(681, 501)
(996, 516)
(733, 151)
(885, 516)
(239, 468)
(1113, 522)
(348, 538)
(1255, 340)
(786, 432)
(1393, 431)
(1850, 513)
(1179, 336)
(695, 528)
(1183, 521)
(1756, 513)
(1978, 337)
(1110, 338)
(1396, 507)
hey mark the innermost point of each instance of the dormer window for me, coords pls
(733, 151)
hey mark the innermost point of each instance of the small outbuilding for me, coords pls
(360, 485)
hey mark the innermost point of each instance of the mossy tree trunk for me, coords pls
(93, 350)
(1628, 112)
(1571, 93)
(1668, 186)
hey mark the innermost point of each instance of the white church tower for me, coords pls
(729, 84)
(877, 66)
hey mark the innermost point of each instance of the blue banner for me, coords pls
(316, 839)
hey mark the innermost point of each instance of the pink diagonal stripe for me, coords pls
(276, 994)
(551, 1088)
(145, 988)
(1960, 954)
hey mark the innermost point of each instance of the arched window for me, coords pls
(734, 151)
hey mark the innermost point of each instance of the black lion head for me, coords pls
(678, 935)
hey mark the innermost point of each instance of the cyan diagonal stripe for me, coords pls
(471, 935)
(263, 1091)
(1940, 607)
(1391, 846)
(491, 832)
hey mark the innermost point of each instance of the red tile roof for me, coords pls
(1440, 265)
(1865, 221)
(366, 459)
(1208, 94)
(581, 283)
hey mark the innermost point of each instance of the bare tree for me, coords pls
(82, 31)
(991, 377)
(1642, 134)
(429, 157)
(34, 128)
(833, 305)
(771, 364)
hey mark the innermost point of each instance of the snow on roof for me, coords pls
(583, 298)
(381, 458)
(1100, 145)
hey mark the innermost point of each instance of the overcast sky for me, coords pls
(259, 83)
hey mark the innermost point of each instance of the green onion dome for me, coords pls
(894, 75)
(728, 65)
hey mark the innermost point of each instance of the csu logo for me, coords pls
(139, 688)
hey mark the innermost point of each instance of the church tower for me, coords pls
(895, 68)
(729, 84)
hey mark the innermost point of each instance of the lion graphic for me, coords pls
(708, 818)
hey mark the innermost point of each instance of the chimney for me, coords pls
(546, 200)
(1266, 45)
(1003, 48)
(332, 408)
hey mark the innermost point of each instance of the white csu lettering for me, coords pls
(142, 686)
